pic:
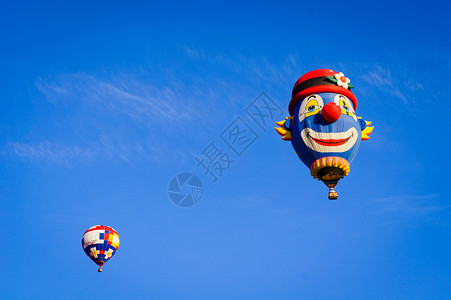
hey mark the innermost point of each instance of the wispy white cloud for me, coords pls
(154, 115)
(125, 115)
(123, 94)
(104, 149)
(51, 152)
(407, 81)
(194, 52)
(412, 205)
(381, 79)
(378, 77)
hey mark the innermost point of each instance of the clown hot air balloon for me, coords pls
(323, 127)
(100, 244)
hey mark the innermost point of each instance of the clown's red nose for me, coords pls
(331, 112)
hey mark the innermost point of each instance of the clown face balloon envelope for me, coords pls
(323, 127)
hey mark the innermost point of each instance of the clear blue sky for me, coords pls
(103, 104)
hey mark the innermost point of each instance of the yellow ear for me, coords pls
(367, 131)
(285, 133)
(281, 123)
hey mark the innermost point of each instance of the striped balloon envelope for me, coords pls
(100, 243)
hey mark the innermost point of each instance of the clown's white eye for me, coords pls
(311, 105)
(345, 105)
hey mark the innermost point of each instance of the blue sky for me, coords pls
(102, 105)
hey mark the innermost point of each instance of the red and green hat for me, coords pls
(321, 81)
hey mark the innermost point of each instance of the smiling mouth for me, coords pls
(330, 142)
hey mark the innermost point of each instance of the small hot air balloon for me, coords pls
(100, 243)
(323, 127)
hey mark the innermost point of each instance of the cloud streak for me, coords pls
(417, 205)
(104, 149)
(51, 152)
(125, 115)
(381, 79)
(122, 94)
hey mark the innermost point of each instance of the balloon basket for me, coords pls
(330, 176)
(333, 195)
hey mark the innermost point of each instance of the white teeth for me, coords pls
(308, 134)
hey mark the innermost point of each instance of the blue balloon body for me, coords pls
(323, 127)
(313, 137)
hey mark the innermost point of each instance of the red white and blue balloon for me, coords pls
(100, 243)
